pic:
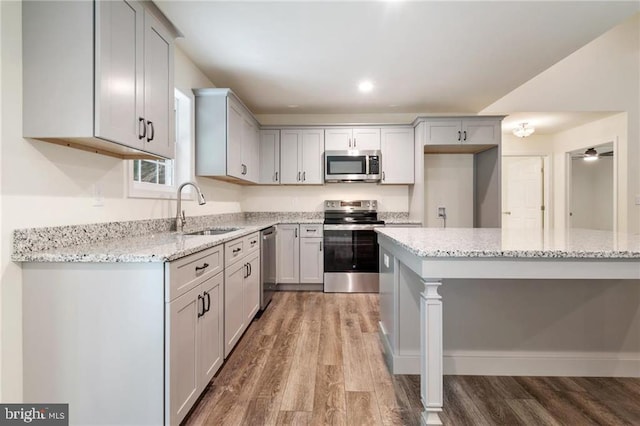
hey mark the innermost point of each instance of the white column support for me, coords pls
(431, 387)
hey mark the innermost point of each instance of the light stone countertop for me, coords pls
(487, 242)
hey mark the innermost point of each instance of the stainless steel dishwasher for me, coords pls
(268, 284)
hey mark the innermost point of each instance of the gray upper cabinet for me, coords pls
(270, 157)
(227, 137)
(104, 85)
(462, 134)
(360, 138)
(301, 153)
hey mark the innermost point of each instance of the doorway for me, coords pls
(524, 192)
(591, 187)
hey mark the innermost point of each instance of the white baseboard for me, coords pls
(398, 364)
(508, 363)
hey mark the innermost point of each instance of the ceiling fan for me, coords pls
(591, 154)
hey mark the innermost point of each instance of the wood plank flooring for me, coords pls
(316, 359)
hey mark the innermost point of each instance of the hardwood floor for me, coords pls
(316, 359)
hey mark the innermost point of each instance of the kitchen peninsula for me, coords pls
(414, 263)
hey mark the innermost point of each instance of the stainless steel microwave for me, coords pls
(352, 166)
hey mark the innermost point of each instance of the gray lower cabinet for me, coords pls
(124, 343)
(300, 255)
(242, 287)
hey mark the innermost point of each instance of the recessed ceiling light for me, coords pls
(393, 105)
(365, 86)
(293, 106)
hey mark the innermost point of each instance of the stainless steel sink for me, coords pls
(213, 231)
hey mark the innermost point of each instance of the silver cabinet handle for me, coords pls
(298, 176)
(276, 176)
(383, 176)
(354, 142)
(349, 142)
(304, 176)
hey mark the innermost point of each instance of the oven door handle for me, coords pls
(351, 227)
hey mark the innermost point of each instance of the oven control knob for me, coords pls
(368, 204)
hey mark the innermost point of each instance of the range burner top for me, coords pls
(337, 212)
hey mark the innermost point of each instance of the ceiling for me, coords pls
(548, 123)
(428, 57)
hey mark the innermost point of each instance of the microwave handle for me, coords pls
(366, 166)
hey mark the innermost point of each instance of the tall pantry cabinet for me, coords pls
(99, 76)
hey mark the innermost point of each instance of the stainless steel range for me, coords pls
(351, 246)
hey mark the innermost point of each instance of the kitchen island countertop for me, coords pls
(520, 243)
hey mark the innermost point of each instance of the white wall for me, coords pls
(592, 193)
(309, 198)
(448, 183)
(604, 75)
(45, 184)
(606, 130)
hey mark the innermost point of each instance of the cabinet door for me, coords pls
(158, 89)
(290, 141)
(211, 332)
(270, 156)
(183, 349)
(443, 132)
(249, 149)
(397, 155)
(119, 71)
(338, 139)
(254, 161)
(311, 260)
(288, 254)
(366, 139)
(311, 157)
(235, 122)
(252, 288)
(234, 323)
(481, 131)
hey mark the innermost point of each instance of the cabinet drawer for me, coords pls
(234, 251)
(184, 274)
(310, 231)
(252, 242)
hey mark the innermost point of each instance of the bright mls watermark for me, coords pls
(34, 414)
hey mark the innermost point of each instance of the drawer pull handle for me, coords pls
(254, 241)
(311, 230)
(235, 251)
(203, 267)
(250, 271)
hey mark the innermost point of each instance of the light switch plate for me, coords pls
(637, 200)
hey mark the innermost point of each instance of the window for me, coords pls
(160, 178)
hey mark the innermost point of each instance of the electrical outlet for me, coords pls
(442, 212)
(637, 200)
(98, 199)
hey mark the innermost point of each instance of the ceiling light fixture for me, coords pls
(591, 155)
(365, 86)
(522, 131)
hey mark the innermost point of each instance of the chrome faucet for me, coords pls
(180, 218)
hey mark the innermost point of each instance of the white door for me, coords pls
(311, 156)
(311, 260)
(366, 139)
(210, 329)
(119, 66)
(338, 139)
(290, 142)
(397, 155)
(183, 353)
(270, 156)
(522, 192)
(158, 89)
(288, 254)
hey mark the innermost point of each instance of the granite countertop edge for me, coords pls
(159, 247)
